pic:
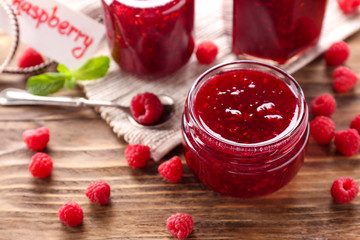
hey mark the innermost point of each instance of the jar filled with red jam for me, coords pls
(245, 128)
(150, 38)
(276, 30)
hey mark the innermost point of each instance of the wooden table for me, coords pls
(84, 150)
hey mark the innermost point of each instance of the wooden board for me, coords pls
(84, 150)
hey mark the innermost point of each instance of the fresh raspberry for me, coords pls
(146, 108)
(172, 170)
(355, 123)
(36, 139)
(323, 105)
(322, 129)
(29, 58)
(337, 53)
(98, 192)
(344, 190)
(343, 79)
(71, 214)
(206, 52)
(180, 225)
(348, 6)
(347, 142)
(41, 165)
(137, 155)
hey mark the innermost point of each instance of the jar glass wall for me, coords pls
(245, 128)
(150, 38)
(276, 30)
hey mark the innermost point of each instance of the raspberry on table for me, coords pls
(71, 214)
(29, 58)
(337, 53)
(348, 6)
(180, 225)
(137, 155)
(206, 52)
(322, 129)
(98, 192)
(36, 139)
(347, 142)
(344, 79)
(355, 123)
(323, 105)
(41, 165)
(344, 190)
(146, 108)
(172, 169)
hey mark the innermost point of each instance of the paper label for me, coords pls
(108, 2)
(66, 36)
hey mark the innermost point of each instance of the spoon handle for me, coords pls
(15, 97)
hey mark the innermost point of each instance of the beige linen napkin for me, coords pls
(210, 25)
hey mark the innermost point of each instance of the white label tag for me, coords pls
(108, 2)
(58, 32)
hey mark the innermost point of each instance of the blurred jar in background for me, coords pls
(276, 30)
(151, 38)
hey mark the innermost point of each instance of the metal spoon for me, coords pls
(17, 97)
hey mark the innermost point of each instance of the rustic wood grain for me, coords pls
(84, 150)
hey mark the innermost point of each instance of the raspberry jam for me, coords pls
(245, 128)
(276, 30)
(150, 38)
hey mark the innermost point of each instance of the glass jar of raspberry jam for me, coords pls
(276, 30)
(245, 128)
(150, 38)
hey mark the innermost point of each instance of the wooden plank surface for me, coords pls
(84, 150)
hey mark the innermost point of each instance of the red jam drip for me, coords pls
(150, 41)
(276, 29)
(245, 106)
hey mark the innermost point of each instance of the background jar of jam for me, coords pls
(276, 30)
(245, 128)
(150, 38)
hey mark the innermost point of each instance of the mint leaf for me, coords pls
(52, 82)
(70, 83)
(46, 83)
(63, 69)
(92, 69)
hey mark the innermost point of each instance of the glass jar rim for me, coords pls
(141, 4)
(273, 142)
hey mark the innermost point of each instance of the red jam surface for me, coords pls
(233, 111)
(276, 29)
(245, 106)
(151, 38)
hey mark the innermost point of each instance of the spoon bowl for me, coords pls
(19, 97)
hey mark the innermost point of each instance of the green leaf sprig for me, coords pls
(51, 82)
